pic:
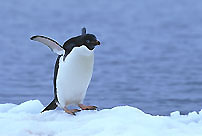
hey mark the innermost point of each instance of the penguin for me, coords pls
(73, 70)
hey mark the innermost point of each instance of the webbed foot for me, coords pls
(84, 107)
(72, 111)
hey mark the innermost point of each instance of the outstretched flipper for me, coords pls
(53, 45)
(51, 106)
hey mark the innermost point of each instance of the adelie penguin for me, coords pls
(73, 70)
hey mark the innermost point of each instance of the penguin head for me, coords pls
(89, 40)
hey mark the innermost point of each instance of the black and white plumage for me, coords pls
(73, 70)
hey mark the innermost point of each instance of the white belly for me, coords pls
(74, 75)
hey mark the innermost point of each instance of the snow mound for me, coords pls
(25, 120)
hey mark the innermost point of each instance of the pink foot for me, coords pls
(84, 107)
(72, 112)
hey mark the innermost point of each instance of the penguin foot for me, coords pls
(84, 107)
(72, 112)
(75, 110)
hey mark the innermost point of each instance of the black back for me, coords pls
(55, 77)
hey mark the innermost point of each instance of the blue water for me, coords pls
(150, 57)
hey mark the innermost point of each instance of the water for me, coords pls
(150, 55)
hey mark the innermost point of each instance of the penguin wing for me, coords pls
(52, 44)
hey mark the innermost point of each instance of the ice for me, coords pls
(6, 107)
(32, 106)
(26, 120)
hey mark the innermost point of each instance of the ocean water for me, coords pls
(150, 55)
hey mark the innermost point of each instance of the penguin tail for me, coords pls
(51, 106)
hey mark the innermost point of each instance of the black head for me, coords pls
(89, 40)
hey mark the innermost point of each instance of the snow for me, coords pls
(26, 120)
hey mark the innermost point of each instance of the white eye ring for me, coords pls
(87, 41)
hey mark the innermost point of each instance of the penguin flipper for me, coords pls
(52, 44)
(51, 106)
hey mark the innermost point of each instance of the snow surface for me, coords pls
(25, 120)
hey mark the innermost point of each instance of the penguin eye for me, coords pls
(87, 41)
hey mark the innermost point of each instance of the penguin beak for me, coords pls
(97, 43)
